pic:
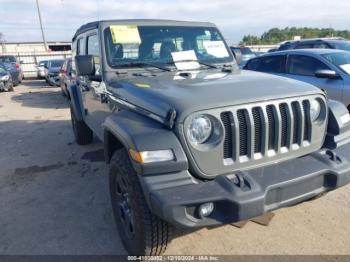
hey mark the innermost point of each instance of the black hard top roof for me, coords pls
(145, 22)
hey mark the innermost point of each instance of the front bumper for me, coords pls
(5, 85)
(176, 197)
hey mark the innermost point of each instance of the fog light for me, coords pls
(206, 209)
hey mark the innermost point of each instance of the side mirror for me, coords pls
(330, 74)
(85, 65)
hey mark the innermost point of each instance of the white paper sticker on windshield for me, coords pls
(346, 68)
(216, 48)
(125, 34)
(185, 60)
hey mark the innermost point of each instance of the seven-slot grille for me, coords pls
(265, 130)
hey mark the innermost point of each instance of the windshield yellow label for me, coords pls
(125, 34)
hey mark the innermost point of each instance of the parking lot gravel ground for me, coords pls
(54, 195)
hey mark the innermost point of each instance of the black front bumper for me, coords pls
(176, 197)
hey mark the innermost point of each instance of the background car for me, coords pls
(326, 43)
(5, 80)
(41, 69)
(325, 68)
(16, 64)
(11, 68)
(242, 54)
(52, 70)
(65, 76)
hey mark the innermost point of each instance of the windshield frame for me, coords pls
(228, 60)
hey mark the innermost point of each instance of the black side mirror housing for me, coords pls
(237, 54)
(85, 65)
(330, 74)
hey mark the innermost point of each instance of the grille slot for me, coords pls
(306, 107)
(261, 129)
(296, 130)
(284, 124)
(258, 129)
(225, 118)
(271, 125)
(243, 133)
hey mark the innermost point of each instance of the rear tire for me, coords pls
(82, 133)
(141, 232)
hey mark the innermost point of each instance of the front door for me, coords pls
(303, 68)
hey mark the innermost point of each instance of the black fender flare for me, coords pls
(134, 131)
(76, 101)
(338, 133)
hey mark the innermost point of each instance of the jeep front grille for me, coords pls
(265, 130)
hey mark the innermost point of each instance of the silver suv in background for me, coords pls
(40, 72)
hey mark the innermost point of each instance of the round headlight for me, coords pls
(199, 129)
(315, 110)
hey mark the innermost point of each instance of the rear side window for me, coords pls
(305, 65)
(270, 64)
(304, 46)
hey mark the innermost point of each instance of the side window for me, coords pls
(304, 46)
(270, 64)
(304, 65)
(93, 49)
(321, 45)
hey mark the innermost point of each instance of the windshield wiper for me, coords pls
(199, 62)
(144, 64)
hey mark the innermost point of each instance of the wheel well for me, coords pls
(111, 143)
(349, 108)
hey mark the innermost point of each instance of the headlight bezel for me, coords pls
(215, 137)
(321, 111)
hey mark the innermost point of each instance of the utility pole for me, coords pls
(41, 25)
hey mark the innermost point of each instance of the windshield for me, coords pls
(342, 45)
(340, 60)
(57, 63)
(246, 51)
(157, 44)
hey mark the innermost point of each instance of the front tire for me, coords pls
(141, 232)
(82, 133)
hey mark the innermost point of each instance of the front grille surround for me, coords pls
(259, 134)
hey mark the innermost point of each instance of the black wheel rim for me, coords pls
(125, 214)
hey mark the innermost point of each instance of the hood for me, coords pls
(203, 90)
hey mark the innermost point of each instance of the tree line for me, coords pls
(277, 35)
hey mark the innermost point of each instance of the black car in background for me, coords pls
(5, 79)
(52, 70)
(11, 59)
(327, 43)
(65, 76)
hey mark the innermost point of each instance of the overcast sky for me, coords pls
(19, 18)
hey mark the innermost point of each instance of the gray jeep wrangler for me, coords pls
(193, 141)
